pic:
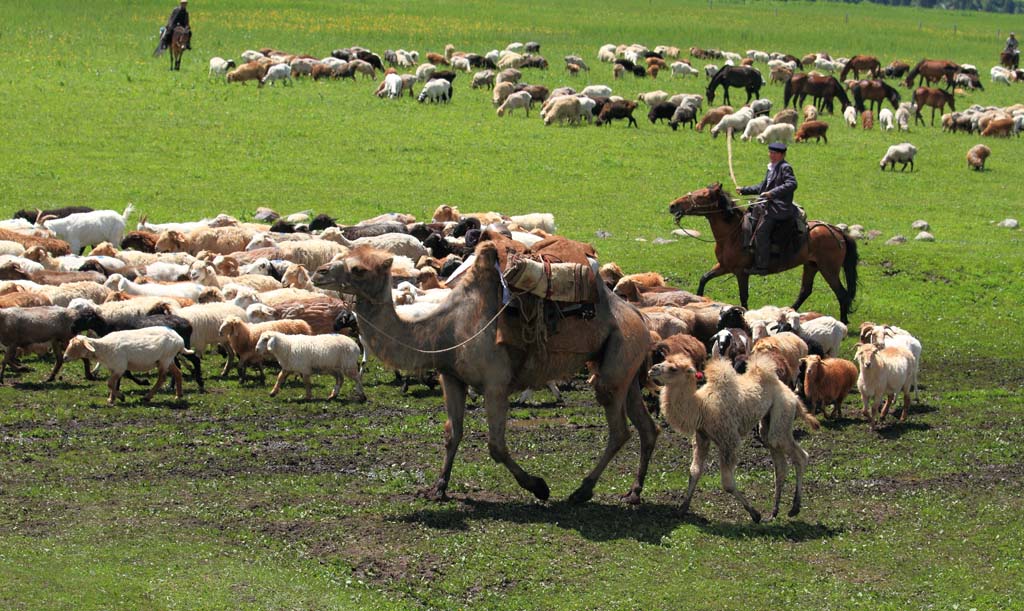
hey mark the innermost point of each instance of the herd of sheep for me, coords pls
(503, 72)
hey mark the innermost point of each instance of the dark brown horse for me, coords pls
(822, 89)
(1009, 60)
(934, 97)
(736, 76)
(868, 63)
(827, 249)
(179, 42)
(932, 70)
(874, 91)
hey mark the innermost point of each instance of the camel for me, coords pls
(460, 340)
(724, 410)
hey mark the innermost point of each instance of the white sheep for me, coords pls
(594, 91)
(302, 66)
(425, 71)
(565, 108)
(436, 90)
(903, 114)
(392, 86)
(304, 355)
(653, 98)
(683, 69)
(1000, 74)
(903, 152)
(883, 373)
(825, 330)
(89, 228)
(484, 78)
(188, 290)
(535, 220)
(755, 128)
(885, 336)
(885, 119)
(250, 56)
(135, 350)
(461, 63)
(710, 70)
(761, 106)
(220, 66)
(777, 132)
(519, 99)
(277, 72)
(737, 121)
(850, 116)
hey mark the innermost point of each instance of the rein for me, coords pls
(441, 350)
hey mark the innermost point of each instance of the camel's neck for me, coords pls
(412, 345)
(681, 407)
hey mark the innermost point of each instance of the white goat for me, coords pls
(90, 228)
(903, 152)
(885, 119)
(737, 121)
(825, 330)
(883, 373)
(220, 66)
(777, 132)
(277, 72)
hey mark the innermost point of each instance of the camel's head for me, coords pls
(364, 272)
(698, 203)
(675, 369)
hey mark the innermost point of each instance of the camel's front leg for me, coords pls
(455, 404)
(614, 402)
(496, 404)
(714, 272)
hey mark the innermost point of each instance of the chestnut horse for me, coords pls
(874, 91)
(934, 97)
(179, 41)
(827, 250)
(932, 70)
(868, 63)
(1009, 60)
(735, 76)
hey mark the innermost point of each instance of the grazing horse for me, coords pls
(896, 69)
(827, 249)
(1009, 60)
(932, 70)
(822, 89)
(179, 41)
(857, 63)
(874, 91)
(736, 76)
(934, 97)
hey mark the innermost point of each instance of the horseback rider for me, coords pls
(1012, 46)
(179, 16)
(774, 207)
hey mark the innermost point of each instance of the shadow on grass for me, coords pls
(896, 429)
(648, 523)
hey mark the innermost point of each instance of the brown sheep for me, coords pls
(249, 71)
(437, 59)
(828, 381)
(656, 61)
(142, 241)
(218, 240)
(15, 296)
(867, 119)
(713, 116)
(790, 347)
(652, 71)
(977, 155)
(644, 280)
(572, 69)
(1002, 128)
(52, 245)
(242, 338)
(812, 129)
(611, 273)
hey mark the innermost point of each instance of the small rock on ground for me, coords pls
(921, 225)
(924, 236)
(896, 239)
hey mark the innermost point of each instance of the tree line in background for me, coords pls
(991, 6)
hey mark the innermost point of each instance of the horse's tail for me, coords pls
(850, 268)
(787, 91)
(858, 98)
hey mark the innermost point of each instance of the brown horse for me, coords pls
(823, 89)
(932, 70)
(874, 91)
(827, 249)
(934, 97)
(179, 42)
(1009, 60)
(868, 63)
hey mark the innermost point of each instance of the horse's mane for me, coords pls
(727, 205)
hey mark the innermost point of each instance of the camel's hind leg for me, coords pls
(614, 402)
(729, 460)
(701, 445)
(648, 430)
(455, 404)
(496, 403)
(799, 457)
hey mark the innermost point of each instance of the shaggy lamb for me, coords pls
(977, 155)
(902, 153)
(828, 381)
(883, 373)
(304, 355)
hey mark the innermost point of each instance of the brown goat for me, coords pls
(1001, 128)
(713, 116)
(867, 118)
(242, 338)
(977, 155)
(250, 71)
(828, 381)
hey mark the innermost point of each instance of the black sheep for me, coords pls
(33, 214)
(321, 222)
(662, 111)
(371, 58)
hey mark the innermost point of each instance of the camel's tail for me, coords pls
(807, 416)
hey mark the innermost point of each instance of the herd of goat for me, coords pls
(503, 72)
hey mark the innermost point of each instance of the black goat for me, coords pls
(34, 214)
(662, 111)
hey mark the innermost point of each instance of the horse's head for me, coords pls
(701, 202)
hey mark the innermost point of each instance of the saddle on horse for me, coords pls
(787, 237)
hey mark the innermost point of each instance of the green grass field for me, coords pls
(232, 500)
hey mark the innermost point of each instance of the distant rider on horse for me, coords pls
(179, 16)
(1012, 46)
(774, 207)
